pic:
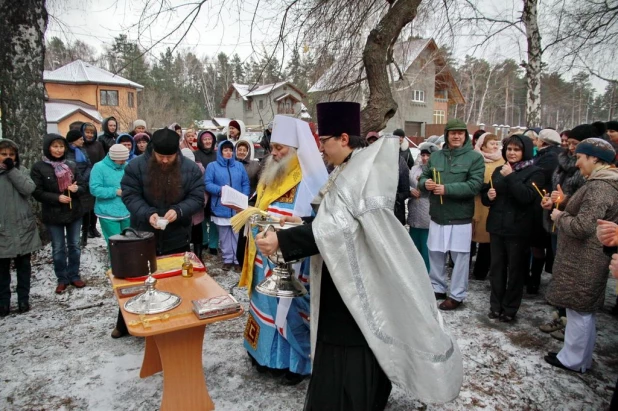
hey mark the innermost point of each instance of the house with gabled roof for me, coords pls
(80, 91)
(421, 82)
(256, 105)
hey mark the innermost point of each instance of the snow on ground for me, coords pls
(60, 356)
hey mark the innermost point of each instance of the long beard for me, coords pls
(165, 181)
(275, 171)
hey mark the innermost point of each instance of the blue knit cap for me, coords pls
(598, 148)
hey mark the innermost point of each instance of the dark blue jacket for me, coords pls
(224, 172)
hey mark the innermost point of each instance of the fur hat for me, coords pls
(165, 142)
(597, 147)
(428, 148)
(118, 152)
(399, 133)
(582, 132)
(612, 125)
(139, 123)
(550, 136)
(73, 135)
(600, 128)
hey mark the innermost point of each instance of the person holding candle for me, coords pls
(58, 188)
(548, 145)
(510, 221)
(489, 146)
(566, 180)
(459, 171)
(580, 271)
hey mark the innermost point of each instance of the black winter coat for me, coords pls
(547, 160)
(205, 157)
(108, 138)
(142, 205)
(94, 148)
(48, 193)
(511, 213)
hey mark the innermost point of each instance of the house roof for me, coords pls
(80, 72)
(58, 110)
(206, 124)
(286, 95)
(405, 53)
(252, 90)
(221, 121)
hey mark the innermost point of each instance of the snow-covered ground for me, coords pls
(59, 356)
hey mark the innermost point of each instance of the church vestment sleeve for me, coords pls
(298, 242)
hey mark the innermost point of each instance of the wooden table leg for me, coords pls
(184, 384)
(152, 360)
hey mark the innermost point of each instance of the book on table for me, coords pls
(215, 306)
(234, 199)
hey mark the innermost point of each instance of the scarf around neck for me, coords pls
(63, 173)
(490, 157)
(520, 165)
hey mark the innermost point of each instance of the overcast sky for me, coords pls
(238, 26)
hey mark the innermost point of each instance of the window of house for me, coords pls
(109, 97)
(418, 96)
(439, 117)
(261, 104)
(131, 100)
(249, 105)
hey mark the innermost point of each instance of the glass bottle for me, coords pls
(187, 267)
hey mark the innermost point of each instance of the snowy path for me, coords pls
(59, 356)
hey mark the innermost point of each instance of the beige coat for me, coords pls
(479, 230)
(581, 268)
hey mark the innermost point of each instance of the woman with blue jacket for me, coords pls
(105, 187)
(225, 172)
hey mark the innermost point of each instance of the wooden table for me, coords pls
(175, 346)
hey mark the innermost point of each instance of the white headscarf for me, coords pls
(296, 133)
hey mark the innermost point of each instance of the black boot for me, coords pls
(93, 233)
(84, 241)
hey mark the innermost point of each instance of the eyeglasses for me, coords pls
(325, 139)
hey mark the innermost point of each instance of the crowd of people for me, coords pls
(476, 206)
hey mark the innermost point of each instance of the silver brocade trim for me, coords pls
(359, 207)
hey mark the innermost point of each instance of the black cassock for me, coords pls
(346, 375)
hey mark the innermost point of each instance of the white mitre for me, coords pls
(296, 133)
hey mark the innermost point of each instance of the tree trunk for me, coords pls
(381, 105)
(534, 65)
(482, 106)
(22, 57)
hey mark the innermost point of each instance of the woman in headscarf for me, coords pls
(58, 187)
(511, 197)
(489, 146)
(189, 140)
(579, 277)
(141, 142)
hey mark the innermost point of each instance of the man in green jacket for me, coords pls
(454, 175)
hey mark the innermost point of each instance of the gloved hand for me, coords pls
(9, 163)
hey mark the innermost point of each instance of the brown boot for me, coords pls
(449, 304)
